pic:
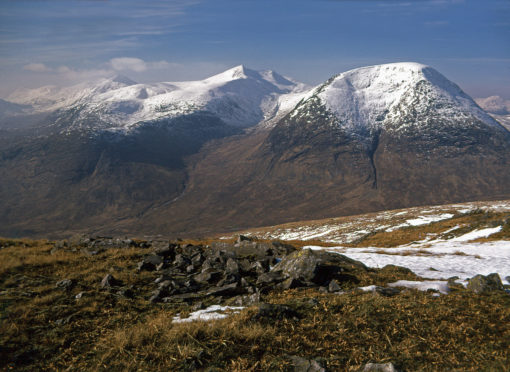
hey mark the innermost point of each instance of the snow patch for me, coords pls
(211, 313)
(436, 285)
(476, 234)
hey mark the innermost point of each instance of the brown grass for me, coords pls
(103, 331)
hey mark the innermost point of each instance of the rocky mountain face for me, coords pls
(174, 158)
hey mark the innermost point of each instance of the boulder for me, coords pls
(480, 283)
(272, 277)
(300, 364)
(226, 290)
(319, 267)
(150, 263)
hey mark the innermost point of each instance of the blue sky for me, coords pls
(67, 41)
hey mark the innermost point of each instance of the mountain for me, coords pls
(239, 97)
(246, 148)
(497, 107)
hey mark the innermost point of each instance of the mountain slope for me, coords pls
(381, 137)
(363, 141)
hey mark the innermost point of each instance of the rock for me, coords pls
(387, 291)
(272, 277)
(246, 300)
(273, 311)
(190, 269)
(157, 295)
(226, 290)
(333, 286)
(208, 276)
(109, 281)
(260, 266)
(232, 267)
(65, 284)
(181, 261)
(244, 238)
(319, 267)
(300, 364)
(161, 266)
(150, 262)
(379, 367)
(282, 249)
(480, 283)
(198, 306)
(290, 283)
(165, 284)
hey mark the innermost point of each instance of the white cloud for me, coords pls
(36, 67)
(128, 64)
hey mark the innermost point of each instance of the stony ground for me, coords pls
(121, 304)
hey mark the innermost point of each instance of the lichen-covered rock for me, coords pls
(319, 267)
(480, 283)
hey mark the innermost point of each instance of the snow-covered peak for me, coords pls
(239, 96)
(371, 97)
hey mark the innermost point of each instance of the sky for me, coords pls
(64, 42)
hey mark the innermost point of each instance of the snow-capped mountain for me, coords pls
(497, 107)
(398, 97)
(240, 97)
(179, 159)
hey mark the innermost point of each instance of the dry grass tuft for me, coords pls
(45, 328)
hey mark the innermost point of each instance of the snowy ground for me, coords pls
(348, 229)
(210, 313)
(439, 259)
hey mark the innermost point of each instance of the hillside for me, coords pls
(91, 302)
(244, 149)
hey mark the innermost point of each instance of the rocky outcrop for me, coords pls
(481, 283)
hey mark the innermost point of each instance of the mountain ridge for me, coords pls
(380, 137)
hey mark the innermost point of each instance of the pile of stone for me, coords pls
(240, 272)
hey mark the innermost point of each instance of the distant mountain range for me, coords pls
(242, 149)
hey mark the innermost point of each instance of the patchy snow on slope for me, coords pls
(343, 230)
(439, 259)
(435, 285)
(422, 220)
(211, 313)
(476, 234)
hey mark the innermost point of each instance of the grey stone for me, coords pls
(109, 281)
(379, 367)
(226, 290)
(272, 277)
(65, 284)
(333, 286)
(480, 283)
(247, 300)
(300, 364)
(231, 267)
(319, 267)
(290, 283)
(208, 276)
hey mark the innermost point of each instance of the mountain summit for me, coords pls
(175, 158)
